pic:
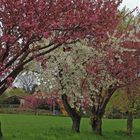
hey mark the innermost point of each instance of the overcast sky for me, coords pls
(131, 4)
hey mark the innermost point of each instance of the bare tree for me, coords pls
(27, 80)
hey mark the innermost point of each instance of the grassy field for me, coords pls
(28, 127)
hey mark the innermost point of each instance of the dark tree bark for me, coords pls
(98, 111)
(130, 113)
(96, 124)
(13, 75)
(3, 88)
(129, 123)
(1, 135)
(23, 61)
(76, 118)
(76, 124)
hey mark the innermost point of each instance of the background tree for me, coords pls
(13, 93)
(126, 100)
(27, 80)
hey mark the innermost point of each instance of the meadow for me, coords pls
(30, 127)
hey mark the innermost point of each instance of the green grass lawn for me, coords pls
(28, 127)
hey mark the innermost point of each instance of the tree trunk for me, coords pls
(35, 111)
(98, 112)
(76, 118)
(129, 123)
(2, 89)
(96, 124)
(0, 131)
(76, 124)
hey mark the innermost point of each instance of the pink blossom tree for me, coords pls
(30, 29)
(115, 66)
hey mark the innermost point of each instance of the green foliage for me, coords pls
(128, 20)
(15, 92)
(10, 92)
(121, 103)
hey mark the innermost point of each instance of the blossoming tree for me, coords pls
(30, 29)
